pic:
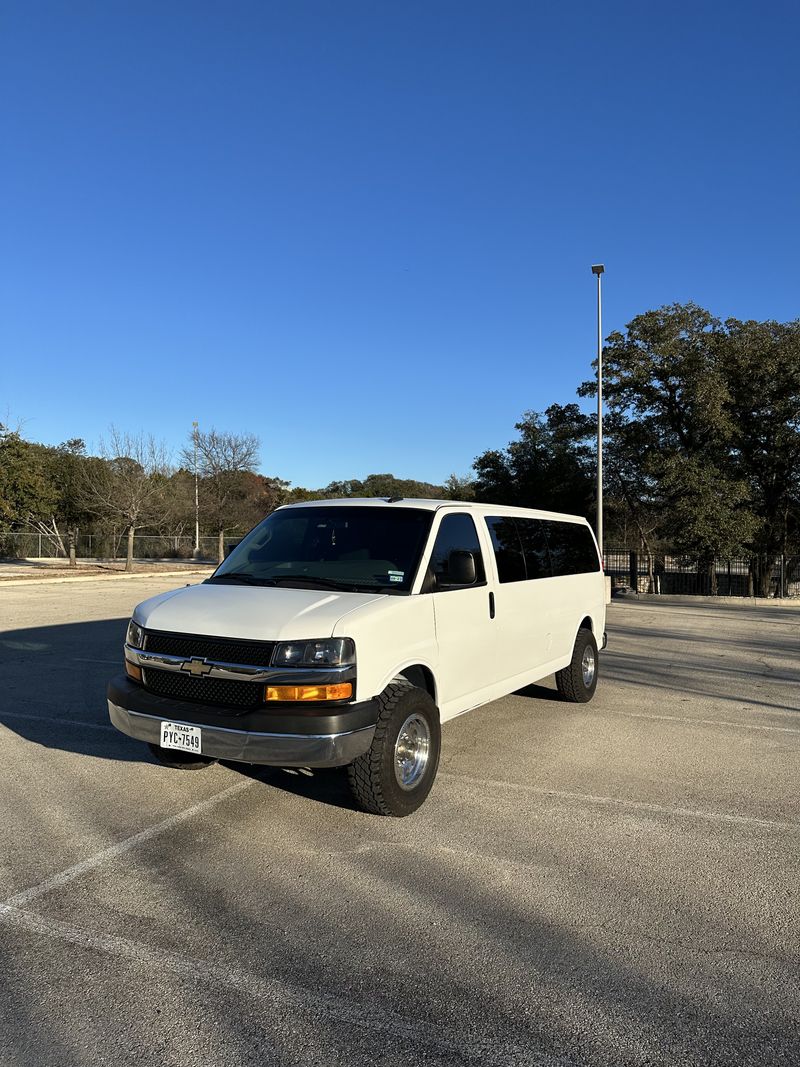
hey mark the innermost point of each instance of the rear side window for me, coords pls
(540, 548)
(572, 550)
(534, 545)
(507, 549)
(456, 533)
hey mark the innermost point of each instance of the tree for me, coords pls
(550, 465)
(671, 428)
(458, 487)
(383, 485)
(223, 461)
(65, 464)
(128, 484)
(27, 494)
(761, 363)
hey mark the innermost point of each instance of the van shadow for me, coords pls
(53, 694)
(53, 687)
(327, 785)
(539, 692)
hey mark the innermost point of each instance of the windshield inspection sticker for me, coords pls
(396, 576)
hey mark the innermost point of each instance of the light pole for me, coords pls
(196, 497)
(598, 268)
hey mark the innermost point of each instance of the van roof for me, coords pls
(435, 505)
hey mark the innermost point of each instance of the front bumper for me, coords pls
(330, 739)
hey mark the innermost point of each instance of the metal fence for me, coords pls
(29, 545)
(656, 572)
(664, 572)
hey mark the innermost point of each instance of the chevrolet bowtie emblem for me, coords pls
(196, 667)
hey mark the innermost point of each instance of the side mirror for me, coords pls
(461, 568)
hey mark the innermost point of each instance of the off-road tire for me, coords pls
(373, 781)
(180, 761)
(571, 681)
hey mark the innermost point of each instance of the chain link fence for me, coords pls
(665, 572)
(642, 572)
(30, 545)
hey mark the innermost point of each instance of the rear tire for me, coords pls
(184, 761)
(396, 774)
(578, 681)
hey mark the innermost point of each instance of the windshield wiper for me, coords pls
(328, 583)
(301, 579)
(236, 576)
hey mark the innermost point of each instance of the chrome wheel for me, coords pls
(411, 751)
(588, 666)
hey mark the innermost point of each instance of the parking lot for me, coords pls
(605, 884)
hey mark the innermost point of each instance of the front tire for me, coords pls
(578, 681)
(396, 774)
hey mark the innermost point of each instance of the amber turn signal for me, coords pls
(133, 671)
(341, 691)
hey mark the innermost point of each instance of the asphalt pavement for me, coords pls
(594, 885)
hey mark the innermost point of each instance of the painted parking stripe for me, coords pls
(622, 802)
(24, 897)
(688, 719)
(283, 999)
(51, 720)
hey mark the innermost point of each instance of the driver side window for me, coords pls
(456, 534)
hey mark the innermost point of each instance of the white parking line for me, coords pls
(688, 719)
(622, 802)
(283, 1000)
(51, 719)
(71, 873)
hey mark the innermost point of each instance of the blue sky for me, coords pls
(363, 231)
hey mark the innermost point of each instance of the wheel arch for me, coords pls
(420, 676)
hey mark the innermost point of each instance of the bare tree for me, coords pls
(223, 461)
(128, 483)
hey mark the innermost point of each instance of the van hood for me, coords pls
(251, 613)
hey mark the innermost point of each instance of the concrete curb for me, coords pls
(719, 601)
(100, 577)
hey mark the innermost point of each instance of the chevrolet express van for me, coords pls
(345, 632)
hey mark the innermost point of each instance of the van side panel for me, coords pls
(495, 690)
(531, 637)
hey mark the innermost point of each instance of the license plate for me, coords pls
(178, 735)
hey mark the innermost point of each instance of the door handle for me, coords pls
(491, 605)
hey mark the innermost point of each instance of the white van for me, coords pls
(345, 632)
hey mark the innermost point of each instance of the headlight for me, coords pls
(135, 636)
(330, 652)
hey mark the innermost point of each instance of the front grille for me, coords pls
(221, 649)
(217, 691)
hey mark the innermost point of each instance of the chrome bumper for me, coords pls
(279, 750)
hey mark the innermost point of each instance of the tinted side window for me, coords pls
(571, 548)
(456, 532)
(534, 545)
(507, 549)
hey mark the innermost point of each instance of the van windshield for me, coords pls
(368, 549)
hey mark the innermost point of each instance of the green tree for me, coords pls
(761, 363)
(550, 465)
(383, 485)
(27, 493)
(459, 487)
(671, 430)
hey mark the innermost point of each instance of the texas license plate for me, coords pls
(178, 735)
